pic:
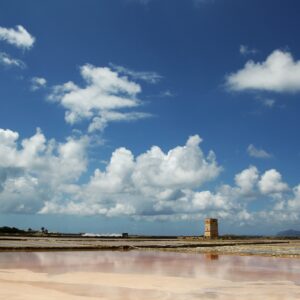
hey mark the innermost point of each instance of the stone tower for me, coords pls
(211, 229)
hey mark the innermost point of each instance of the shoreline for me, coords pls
(174, 250)
(249, 247)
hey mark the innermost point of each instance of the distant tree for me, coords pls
(44, 230)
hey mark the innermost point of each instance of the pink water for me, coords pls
(239, 270)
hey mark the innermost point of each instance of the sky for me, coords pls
(147, 116)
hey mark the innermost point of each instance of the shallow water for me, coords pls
(146, 275)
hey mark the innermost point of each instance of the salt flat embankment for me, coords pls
(269, 247)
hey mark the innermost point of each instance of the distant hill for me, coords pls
(289, 233)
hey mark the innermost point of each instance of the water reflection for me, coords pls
(211, 256)
(234, 268)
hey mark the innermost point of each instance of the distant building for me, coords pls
(211, 228)
(125, 235)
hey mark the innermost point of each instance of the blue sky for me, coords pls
(110, 111)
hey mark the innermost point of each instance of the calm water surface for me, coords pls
(242, 272)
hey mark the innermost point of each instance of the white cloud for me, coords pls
(245, 50)
(279, 73)
(271, 183)
(18, 37)
(7, 60)
(38, 83)
(168, 186)
(153, 183)
(294, 203)
(34, 169)
(247, 180)
(257, 153)
(99, 123)
(8, 137)
(106, 93)
(181, 167)
(150, 77)
(42, 176)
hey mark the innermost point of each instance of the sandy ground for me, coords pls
(137, 275)
(288, 249)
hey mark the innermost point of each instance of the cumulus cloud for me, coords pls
(278, 73)
(43, 176)
(40, 175)
(33, 170)
(18, 37)
(153, 183)
(102, 100)
(247, 180)
(38, 83)
(169, 186)
(271, 183)
(181, 167)
(8, 61)
(150, 77)
(257, 153)
(294, 203)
